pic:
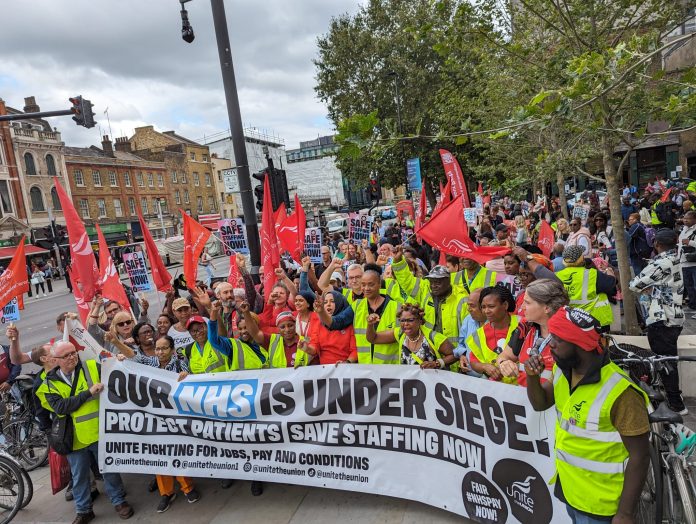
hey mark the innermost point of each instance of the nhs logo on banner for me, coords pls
(225, 400)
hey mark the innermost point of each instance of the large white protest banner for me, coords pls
(472, 447)
(359, 227)
(87, 346)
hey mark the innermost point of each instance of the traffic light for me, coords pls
(375, 189)
(48, 233)
(82, 111)
(61, 234)
(279, 189)
(258, 189)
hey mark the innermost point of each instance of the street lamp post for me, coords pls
(235, 120)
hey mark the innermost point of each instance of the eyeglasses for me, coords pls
(124, 323)
(69, 355)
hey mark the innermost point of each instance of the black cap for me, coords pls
(666, 237)
(501, 227)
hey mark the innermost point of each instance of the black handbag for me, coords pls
(60, 438)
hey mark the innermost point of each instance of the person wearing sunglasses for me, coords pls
(121, 327)
(73, 389)
(419, 345)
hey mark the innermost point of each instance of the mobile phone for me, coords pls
(390, 260)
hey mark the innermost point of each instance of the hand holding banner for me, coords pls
(13, 281)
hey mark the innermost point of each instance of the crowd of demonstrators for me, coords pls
(394, 300)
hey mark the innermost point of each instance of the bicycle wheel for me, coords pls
(686, 502)
(28, 488)
(11, 489)
(26, 443)
(650, 502)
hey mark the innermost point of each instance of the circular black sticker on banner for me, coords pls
(484, 502)
(526, 491)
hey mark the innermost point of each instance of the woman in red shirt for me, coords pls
(543, 298)
(332, 346)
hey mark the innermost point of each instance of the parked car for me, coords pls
(601, 194)
(338, 225)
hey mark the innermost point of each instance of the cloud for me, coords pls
(128, 55)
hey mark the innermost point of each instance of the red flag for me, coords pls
(270, 254)
(301, 227)
(109, 280)
(480, 189)
(81, 254)
(286, 232)
(665, 197)
(487, 198)
(546, 238)
(233, 274)
(195, 237)
(82, 306)
(449, 233)
(160, 275)
(455, 176)
(422, 209)
(280, 214)
(13, 281)
(445, 198)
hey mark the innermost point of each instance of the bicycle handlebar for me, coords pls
(656, 358)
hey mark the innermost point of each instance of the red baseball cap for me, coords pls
(194, 319)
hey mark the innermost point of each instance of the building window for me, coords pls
(118, 211)
(131, 206)
(219, 176)
(143, 205)
(150, 180)
(51, 165)
(79, 179)
(177, 197)
(211, 203)
(127, 179)
(84, 208)
(141, 181)
(29, 162)
(196, 180)
(183, 178)
(5, 197)
(174, 177)
(113, 179)
(101, 207)
(160, 180)
(186, 196)
(37, 201)
(96, 178)
(55, 200)
(199, 202)
(205, 157)
(192, 155)
(164, 206)
(208, 180)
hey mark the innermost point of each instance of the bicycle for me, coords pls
(670, 488)
(12, 488)
(24, 440)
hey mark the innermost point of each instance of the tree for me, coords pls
(612, 86)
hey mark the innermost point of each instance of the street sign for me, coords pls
(413, 169)
(229, 176)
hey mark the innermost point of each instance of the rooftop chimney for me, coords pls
(30, 105)
(123, 145)
(107, 147)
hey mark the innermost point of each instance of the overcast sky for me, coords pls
(128, 55)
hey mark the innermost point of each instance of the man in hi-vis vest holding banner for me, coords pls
(602, 429)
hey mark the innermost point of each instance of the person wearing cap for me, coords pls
(419, 345)
(502, 236)
(587, 288)
(286, 349)
(662, 281)
(181, 308)
(444, 306)
(602, 431)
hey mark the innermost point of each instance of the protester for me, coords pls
(419, 345)
(38, 279)
(638, 247)
(332, 345)
(207, 262)
(487, 342)
(181, 308)
(661, 280)
(164, 323)
(687, 257)
(473, 276)
(599, 477)
(72, 389)
(286, 348)
(580, 236)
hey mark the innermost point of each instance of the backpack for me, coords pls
(649, 236)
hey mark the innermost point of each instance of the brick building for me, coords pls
(108, 186)
(189, 167)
